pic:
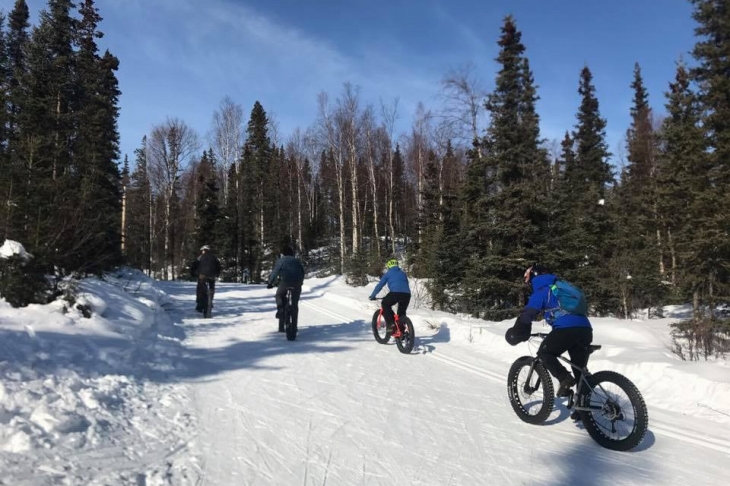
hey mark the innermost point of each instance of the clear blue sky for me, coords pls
(180, 58)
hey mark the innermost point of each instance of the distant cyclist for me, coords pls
(290, 272)
(206, 268)
(399, 291)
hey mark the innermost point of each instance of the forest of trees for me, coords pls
(468, 198)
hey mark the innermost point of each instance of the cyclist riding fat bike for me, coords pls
(206, 268)
(290, 272)
(399, 291)
(570, 332)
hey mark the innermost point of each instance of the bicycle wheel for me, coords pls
(408, 337)
(208, 302)
(619, 418)
(380, 329)
(530, 393)
(291, 330)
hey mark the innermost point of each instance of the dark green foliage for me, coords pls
(711, 246)
(638, 262)
(206, 208)
(138, 207)
(586, 232)
(23, 282)
(63, 188)
(505, 191)
(256, 195)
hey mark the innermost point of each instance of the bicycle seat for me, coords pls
(593, 347)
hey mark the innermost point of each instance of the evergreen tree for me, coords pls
(255, 164)
(586, 242)
(13, 194)
(506, 192)
(711, 75)
(684, 200)
(139, 194)
(96, 144)
(51, 215)
(206, 208)
(640, 264)
(429, 219)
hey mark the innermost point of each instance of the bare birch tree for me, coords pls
(463, 97)
(169, 148)
(390, 115)
(226, 139)
(331, 132)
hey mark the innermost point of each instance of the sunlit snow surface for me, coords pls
(147, 392)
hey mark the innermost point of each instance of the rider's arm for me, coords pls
(381, 284)
(275, 271)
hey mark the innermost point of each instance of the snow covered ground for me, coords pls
(146, 392)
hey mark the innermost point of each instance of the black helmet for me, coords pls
(534, 270)
(287, 251)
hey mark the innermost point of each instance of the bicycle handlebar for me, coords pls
(542, 335)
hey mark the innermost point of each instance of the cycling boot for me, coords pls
(565, 386)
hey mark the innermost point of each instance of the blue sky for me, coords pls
(179, 58)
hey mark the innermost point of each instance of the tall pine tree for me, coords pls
(586, 243)
(506, 192)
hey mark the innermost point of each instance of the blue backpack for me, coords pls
(571, 299)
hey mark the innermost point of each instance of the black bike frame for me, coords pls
(584, 375)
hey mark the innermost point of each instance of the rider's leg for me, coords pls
(403, 300)
(280, 296)
(295, 293)
(579, 351)
(387, 304)
(553, 346)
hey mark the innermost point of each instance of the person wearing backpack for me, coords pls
(571, 329)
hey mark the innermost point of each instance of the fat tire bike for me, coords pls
(610, 406)
(402, 331)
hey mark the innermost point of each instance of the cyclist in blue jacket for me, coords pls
(399, 291)
(570, 332)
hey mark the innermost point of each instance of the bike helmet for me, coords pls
(205, 248)
(391, 263)
(534, 270)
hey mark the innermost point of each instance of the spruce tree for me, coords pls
(206, 208)
(506, 191)
(639, 234)
(586, 241)
(139, 193)
(255, 164)
(96, 144)
(711, 75)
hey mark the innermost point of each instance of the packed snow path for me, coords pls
(334, 407)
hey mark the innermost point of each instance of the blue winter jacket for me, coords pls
(542, 300)
(397, 282)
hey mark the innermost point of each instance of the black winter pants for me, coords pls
(574, 340)
(392, 298)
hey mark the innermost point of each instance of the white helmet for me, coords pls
(204, 248)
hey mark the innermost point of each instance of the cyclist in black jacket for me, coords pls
(206, 268)
(290, 272)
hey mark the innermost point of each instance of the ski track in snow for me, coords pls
(335, 407)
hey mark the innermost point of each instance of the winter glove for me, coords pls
(270, 286)
(515, 335)
(371, 298)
